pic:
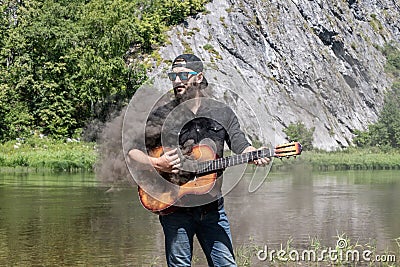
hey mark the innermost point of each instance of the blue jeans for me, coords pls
(211, 226)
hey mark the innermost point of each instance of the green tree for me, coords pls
(392, 66)
(15, 117)
(386, 131)
(38, 33)
(300, 133)
(64, 63)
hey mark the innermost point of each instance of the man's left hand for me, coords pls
(259, 162)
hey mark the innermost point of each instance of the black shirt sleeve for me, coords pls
(237, 141)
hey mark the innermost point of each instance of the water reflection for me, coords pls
(70, 220)
(302, 205)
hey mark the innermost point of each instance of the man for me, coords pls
(192, 119)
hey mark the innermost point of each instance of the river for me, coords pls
(71, 220)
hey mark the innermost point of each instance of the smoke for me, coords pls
(111, 167)
(124, 132)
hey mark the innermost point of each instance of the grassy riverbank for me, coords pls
(37, 153)
(348, 159)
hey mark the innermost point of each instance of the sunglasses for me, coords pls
(183, 76)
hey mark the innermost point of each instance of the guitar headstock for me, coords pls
(288, 150)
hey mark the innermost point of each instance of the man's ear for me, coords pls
(199, 77)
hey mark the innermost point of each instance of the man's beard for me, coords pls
(190, 93)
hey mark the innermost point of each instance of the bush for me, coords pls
(299, 132)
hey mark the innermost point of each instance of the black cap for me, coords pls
(188, 61)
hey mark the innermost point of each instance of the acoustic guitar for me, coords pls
(203, 175)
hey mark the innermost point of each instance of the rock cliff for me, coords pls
(279, 62)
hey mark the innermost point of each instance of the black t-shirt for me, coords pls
(214, 124)
(174, 125)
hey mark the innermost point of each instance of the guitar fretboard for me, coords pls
(222, 163)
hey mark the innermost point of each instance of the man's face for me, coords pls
(186, 89)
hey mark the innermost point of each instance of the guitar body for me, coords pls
(199, 185)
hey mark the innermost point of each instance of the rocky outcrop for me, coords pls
(279, 62)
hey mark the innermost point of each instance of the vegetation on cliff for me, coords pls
(384, 135)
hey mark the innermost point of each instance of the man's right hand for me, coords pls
(169, 162)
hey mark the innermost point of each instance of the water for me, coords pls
(70, 220)
(360, 204)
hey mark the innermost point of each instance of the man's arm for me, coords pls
(237, 140)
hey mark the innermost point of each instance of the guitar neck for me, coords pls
(222, 163)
